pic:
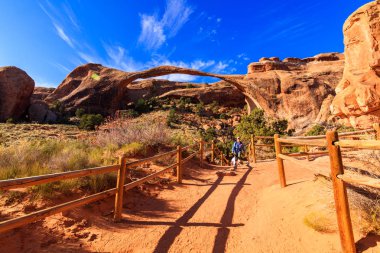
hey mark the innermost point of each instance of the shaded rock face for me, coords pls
(358, 94)
(295, 89)
(16, 87)
(39, 112)
(103, 90)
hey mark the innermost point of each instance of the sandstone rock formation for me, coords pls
(222, 92)
(40, 93)
(358, 94)
(295, 89)
(103, 90)
(16, 87)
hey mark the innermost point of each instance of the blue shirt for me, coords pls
(237, 147)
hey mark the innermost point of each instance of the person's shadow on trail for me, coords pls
(171, 234)
(226, 220)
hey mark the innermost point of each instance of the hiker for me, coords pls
(237, 150)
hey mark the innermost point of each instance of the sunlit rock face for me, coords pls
(299, 90)
(357, 100)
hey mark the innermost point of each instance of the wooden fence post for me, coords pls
(120, 189)
(376, 126)
(179, 164)
(221, 159)
(201, 153)
(340, 194)
(307, 151)
(280, 162)
(253, 148)
(212, 151)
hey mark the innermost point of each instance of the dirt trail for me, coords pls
(243, 213)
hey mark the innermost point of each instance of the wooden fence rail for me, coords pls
(121, 168)
(339, 178)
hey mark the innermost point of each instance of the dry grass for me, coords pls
(11, 133)
(320, 222)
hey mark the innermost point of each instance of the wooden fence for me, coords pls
(118, 191)
(334, 145)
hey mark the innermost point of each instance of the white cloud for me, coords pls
(118, 58)
(218, 20)
(152, 33)
(61, 33)
(176, 15)
(155, 31)
(220, 67)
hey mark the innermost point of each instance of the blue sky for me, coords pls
(48, 39)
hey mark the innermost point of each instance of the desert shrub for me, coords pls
(141, 106)
(90, 121)
(200, 109)
(79, 112)
(134, 149)
(257, 124)
(179, 139)
(316, 130)
(31, 158)
(189, 86)
(57, 107)
(144, 106)
(209, 135)
(223, 116)
(147, 132)
(10, 121)
(214, 106)
(320, 222)
(184, 103)
(172, 118)
(342, 129)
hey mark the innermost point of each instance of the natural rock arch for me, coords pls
(92, 85)
(236, 80)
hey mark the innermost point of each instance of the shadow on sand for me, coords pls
(370, 241)
(226, 220)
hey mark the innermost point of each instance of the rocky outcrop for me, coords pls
(40, 93)
(295, 89)
(16, 87)
(99, 89)
(222, 92)
(358, 94)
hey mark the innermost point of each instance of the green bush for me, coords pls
(79, 112)
(209, 135)
(172, 118)
(223, 116)
(316, 130)
(141, 106)
(130, 113)
(189, 86)
(257, 124)
(90, 121)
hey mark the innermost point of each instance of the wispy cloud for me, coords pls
(152, 32)
(155, 31)
(61, 22)
(61, 33)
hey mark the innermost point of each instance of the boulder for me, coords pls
(16, 87)
(358, 93)
(39, 112)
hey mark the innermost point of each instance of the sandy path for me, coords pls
(243, 213)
